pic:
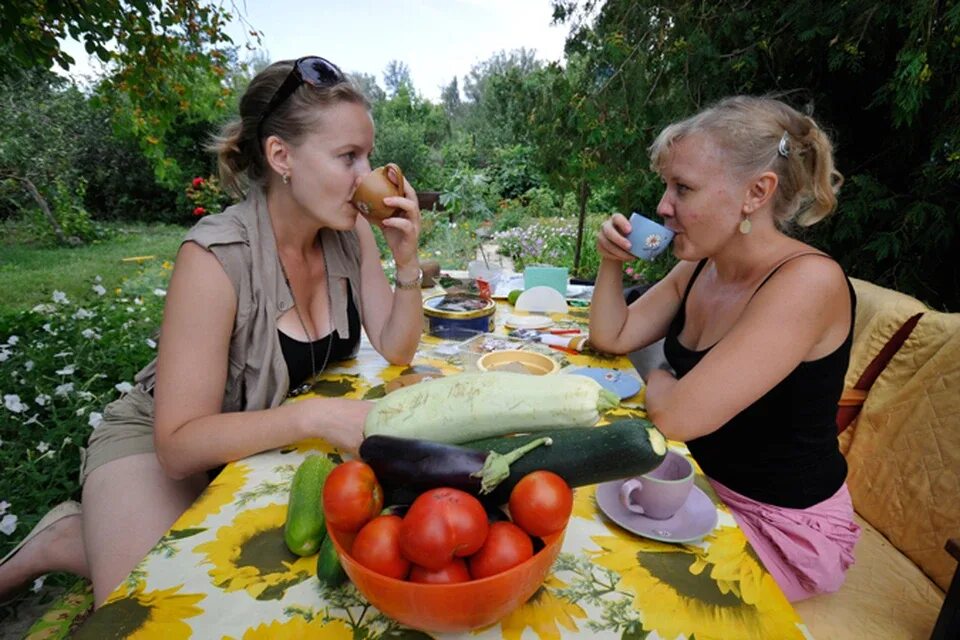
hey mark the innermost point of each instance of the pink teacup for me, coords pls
(660, 493)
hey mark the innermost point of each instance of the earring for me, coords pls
(745, 226)
(286, 178)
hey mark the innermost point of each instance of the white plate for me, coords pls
(541, 300)
(527, 322)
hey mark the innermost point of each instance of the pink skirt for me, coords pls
(807, 551)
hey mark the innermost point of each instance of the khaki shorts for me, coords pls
(126, 430)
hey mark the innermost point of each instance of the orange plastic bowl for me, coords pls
(449, 607)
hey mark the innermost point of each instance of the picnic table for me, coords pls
(223, 570)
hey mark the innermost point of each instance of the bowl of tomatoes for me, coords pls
(450, 563)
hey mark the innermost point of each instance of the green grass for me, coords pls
(29, 274)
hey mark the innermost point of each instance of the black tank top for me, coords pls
(782, 449)
(297, 353)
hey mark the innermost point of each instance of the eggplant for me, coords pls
(411, 464)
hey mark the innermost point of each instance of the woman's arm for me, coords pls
(393, 319)
(802, 313)
(190, 433)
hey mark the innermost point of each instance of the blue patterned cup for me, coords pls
(648, 239)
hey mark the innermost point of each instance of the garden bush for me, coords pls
(60, 363)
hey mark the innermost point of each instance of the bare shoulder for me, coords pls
(679, 276)
(197, 271)
(807, 284)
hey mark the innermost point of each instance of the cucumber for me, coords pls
(329, 570)
(470, 406)
(582, 456)
(304, 528)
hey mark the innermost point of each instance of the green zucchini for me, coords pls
(582, 456)
(470, 406)
(329, 570)
(304, 528)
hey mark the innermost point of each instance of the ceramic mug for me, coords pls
(648, 239)
(660, 493)
(380, 183)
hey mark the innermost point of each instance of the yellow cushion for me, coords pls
(884, 596)
(904, 449)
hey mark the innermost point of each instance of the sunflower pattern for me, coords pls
(223, 571)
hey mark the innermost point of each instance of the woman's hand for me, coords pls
(339, 421)
(402, 233)
(612, 242)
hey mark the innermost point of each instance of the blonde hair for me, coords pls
(751, 129)
(239, 148)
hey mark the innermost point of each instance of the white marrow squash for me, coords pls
(471, 406)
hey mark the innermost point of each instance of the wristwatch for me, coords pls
(413, 284)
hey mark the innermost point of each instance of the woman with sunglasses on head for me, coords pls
(262, 298)
(757, 326)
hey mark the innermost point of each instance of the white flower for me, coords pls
(4, 505)
(98, 288)
(38, 584)
(94, 419)
(67, 370)
(67, 440)
(63, 354)
(160, 292)
(123, 387)
(42, 399)
(64, 389)
(90, 334)
(4, 355)
(8, 524)
(43, 447)
(129, 309)
(151, 343)
(86, 395)
(43, 307)
(28, 365)
(32, 420)
(49, 329)
(138, 300)
(60, 297)
(83, 314)
(652, 241)
(12, 402)
(12, 340)
(98, 279)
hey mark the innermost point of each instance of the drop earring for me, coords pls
(745, 226)
(286, 178)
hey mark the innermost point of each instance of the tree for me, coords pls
(396, 76)
(880, 74)
(368, 85)
(450, 99)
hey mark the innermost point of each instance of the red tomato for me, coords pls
(456, 571)
(506, 546)
(541, 503)
(441, 524)
(351, 496)
(377, 547)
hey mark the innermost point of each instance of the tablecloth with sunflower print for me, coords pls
(223, 570)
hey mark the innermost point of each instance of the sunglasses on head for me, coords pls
(313, 70)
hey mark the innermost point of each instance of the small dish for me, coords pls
(695, 519)
(516, 321)
(614, 380)
(529, 362)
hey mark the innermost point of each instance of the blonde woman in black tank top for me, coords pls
(757, 327)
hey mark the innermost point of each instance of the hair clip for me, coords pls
(784, 149)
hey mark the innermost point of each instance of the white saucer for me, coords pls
(515, 321)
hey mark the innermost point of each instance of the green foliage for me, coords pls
(206, 196)
(468, 194)
(452, 244)
(408, 128)
(880, 75)
(60, 363)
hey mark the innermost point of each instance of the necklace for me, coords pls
(306, 386)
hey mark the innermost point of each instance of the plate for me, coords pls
(542, 300)
(695, 519)
(527, 322)
(614, 380)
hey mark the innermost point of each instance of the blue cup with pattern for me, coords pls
(648, 239)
